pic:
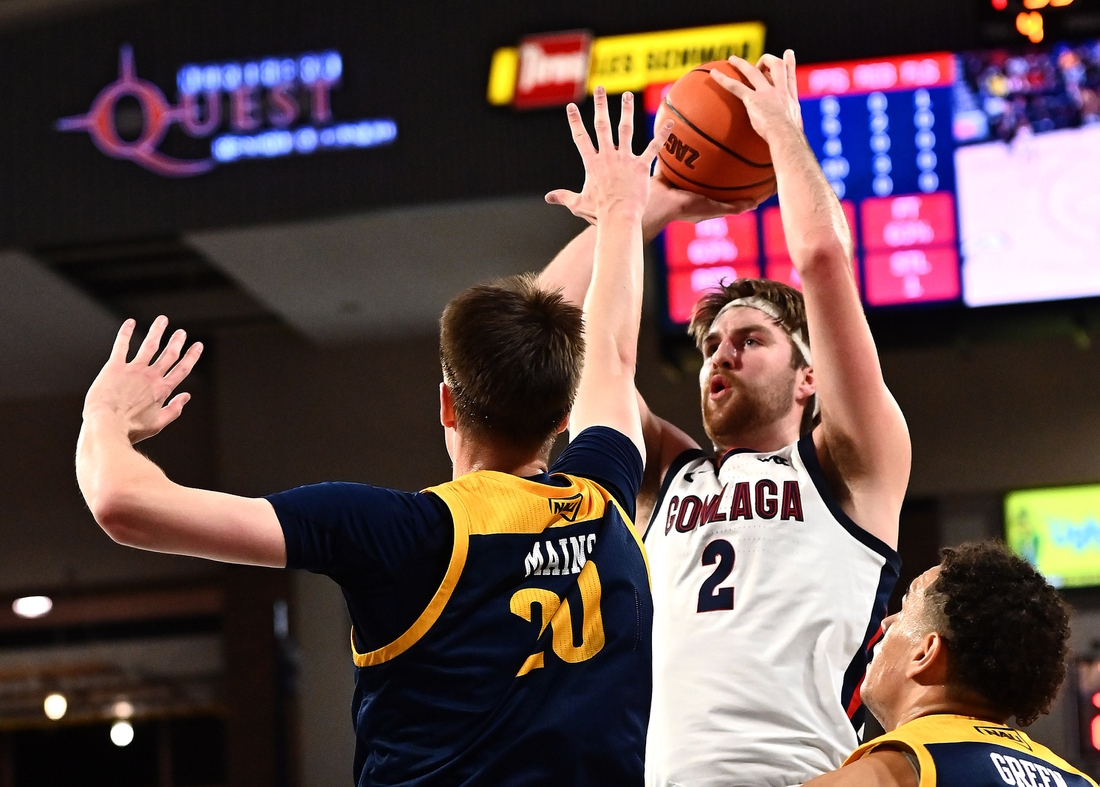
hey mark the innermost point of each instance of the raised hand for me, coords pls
(669, 203)
(772, 99)
(136, 393)
(614, 178)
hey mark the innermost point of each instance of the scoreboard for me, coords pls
(882, 132)
(967, 179)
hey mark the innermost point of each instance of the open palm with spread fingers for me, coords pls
(614, 178)
(137, 392)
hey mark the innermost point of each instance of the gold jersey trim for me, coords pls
(915, 735)
(487, 502)
(492, 502)
(434, 609)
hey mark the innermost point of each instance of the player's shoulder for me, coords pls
(597, 441)
(607, 457)
(336, 499)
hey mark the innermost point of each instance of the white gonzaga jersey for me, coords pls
(767, 598)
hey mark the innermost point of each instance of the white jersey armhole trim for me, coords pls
(685, 458)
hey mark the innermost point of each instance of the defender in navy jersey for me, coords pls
(502, 620)
(980, 639)
(777, 550)
(499, 621)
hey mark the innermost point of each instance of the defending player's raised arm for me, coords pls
(863, 440)
(571, 272)
(571, 269)
(616, 189)
(129, 496)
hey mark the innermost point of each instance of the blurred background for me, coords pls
(303, 186)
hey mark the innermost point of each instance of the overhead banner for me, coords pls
(619, 63)
(259, 109)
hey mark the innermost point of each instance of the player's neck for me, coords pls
(933, 700)
(473, 455)
(765, 437)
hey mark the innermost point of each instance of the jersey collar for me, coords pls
(733, 451)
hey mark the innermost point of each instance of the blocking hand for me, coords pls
(614, 178)
(136, 392)
(772, 99)
(669, 203)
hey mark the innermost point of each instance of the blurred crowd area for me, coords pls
(1001, 94)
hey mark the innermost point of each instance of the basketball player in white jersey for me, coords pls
(772, 557)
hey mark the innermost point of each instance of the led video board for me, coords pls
(1057, 531)
(967, 179)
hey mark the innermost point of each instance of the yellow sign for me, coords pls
(1058, 531)
(632, 62)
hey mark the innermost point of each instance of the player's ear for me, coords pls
(446, 407)
(928, 660)
(806, 384)
(564, 424)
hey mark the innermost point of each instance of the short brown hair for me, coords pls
(787, 300)
(512, 355)
(1006, 629)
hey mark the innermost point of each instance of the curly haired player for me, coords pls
(980, 639)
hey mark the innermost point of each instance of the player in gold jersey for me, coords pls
(980, 639)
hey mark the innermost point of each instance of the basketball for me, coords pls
(713, 149)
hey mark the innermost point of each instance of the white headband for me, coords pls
(768, 308)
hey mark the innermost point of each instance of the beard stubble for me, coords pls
(750, 408)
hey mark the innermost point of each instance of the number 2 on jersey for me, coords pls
(718, 553)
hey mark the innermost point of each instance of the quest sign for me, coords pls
(258, 109)
(553, 69)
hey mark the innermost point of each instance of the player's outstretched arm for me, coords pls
(616, 188)
(863, 441)
(129, 496)
(571, 272)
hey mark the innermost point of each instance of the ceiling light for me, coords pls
(122, 709)
(122, 733)
(55, 706)
(32, 606)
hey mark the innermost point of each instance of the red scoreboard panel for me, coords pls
(702, 256)
(910, 244)
(777, 260)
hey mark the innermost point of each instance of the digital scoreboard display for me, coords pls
(966, 179)
(1057, 530)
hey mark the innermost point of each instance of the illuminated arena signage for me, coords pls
(556, 68)
(258, 109)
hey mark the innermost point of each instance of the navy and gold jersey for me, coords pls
(960, 751)
(502, 625)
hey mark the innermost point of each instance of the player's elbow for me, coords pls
(116, 511)
(823, 254)
(623, 353)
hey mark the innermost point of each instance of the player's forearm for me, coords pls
(138, 506)
(612, 311)
(857, 408)
(571, 270)
(113, 477)
(613, 303)
(816, 229)
(819, 242)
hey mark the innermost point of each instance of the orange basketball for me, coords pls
(713, 149)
